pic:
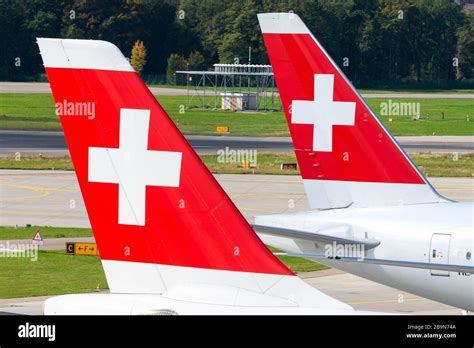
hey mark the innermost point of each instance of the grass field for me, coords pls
(458, 117)
(37, 163)
(445, 165)
(298, 264)
(55, 272)
(46, 232)
(8, 233)
(435, 165)
(36, 112)
(414, 90)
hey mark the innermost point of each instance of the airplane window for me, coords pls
(434, 252)
(468, 255)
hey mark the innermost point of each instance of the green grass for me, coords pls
(37, 163)
(455, 122)
(36, 112)
(28, 112)
(7, 233)
(53, 273)
(461, 165)
(298, 264)
(267, 163)
(204, 122)
(415, 90)
(435, 165)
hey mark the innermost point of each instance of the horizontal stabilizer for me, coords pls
(398, 263)
(319, 236)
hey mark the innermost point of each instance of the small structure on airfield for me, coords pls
(239, 101)
(237, 87)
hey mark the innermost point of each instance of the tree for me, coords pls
(138, 56)
(242, 32)
(373, 41)
(21, 22)
(196, 61)
(465, 49)
(232, 48)
(175, 62)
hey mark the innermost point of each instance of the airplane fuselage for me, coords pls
(430, 233)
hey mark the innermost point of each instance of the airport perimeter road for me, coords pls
(52, 198)
(43, 87)
(53, 143)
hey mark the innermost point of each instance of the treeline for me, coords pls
(373, 41)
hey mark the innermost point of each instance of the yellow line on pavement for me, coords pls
(43, 192)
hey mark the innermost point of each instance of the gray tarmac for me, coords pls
(53, 198)
(31, 143)
(43, 87)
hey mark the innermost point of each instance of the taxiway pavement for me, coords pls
(53, 143)
(53, 198)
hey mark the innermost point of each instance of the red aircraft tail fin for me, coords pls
(158, 215)
(346, 156)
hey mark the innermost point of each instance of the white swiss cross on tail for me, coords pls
(133, 167)
(323, 112)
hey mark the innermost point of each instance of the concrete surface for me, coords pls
(44, 198)
(53, 198)
(53, 143)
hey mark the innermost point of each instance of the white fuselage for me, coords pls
(432, 233)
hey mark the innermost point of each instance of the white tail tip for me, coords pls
(281, 23)
(82, 54)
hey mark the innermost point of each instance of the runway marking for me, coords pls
(43, 192)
